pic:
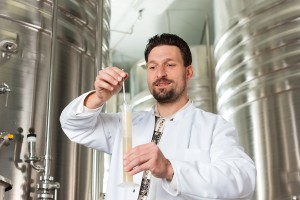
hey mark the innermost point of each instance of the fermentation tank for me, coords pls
(35, 90)
(5, 185)
(257, 54)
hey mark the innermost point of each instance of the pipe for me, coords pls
(98, 65)
(206, 34)
(210, 66)
(47, 186)
(50, 94)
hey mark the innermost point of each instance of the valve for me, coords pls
(33, 158)
(5, 138)
(4, 88)
(8, 46)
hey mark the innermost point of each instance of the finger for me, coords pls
(115, 73)
(103, 85)
(139, 168)
(135, 157)
(141, 156)
(140, 150)
(108, 77)
(120, 72)
(137, 161)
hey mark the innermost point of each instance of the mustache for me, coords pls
(162, 80)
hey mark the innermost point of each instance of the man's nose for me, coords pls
(161, 71)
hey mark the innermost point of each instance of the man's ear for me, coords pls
(189, 72)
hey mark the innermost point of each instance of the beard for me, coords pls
(164, 95)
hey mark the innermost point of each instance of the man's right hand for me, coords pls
(108, 82)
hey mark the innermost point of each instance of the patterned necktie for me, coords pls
(145, 184)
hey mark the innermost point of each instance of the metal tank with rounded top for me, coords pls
(257, 84)
(25, 44)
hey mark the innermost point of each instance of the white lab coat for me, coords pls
(203, 148)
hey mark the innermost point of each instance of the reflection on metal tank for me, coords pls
(141, 99)
(199, 87)
(25, 45)
(5, 185)
(258, 76)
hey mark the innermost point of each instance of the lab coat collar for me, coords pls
(179, 114)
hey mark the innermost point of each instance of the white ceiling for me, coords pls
(133, 22)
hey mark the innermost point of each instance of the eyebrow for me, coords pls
(165, 60)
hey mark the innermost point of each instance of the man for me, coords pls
(181, 151)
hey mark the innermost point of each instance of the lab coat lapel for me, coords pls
(143, 129)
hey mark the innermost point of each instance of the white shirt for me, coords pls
(202, 147)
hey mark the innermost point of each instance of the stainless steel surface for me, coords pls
(102, 60)
(227, 12)
(199, 87)
(258, 76)
(25, 38)
(5, 185)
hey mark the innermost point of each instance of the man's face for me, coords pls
(167, 75)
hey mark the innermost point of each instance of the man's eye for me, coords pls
(151, 67)
(170, 65)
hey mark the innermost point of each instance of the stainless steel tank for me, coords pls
(199, 87)
(25, 45)
(5, 185)
(258, 75)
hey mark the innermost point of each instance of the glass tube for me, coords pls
(127, 141)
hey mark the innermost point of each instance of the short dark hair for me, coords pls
(172, 40)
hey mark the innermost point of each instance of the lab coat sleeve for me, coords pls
(230, 174)
(91, 128)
